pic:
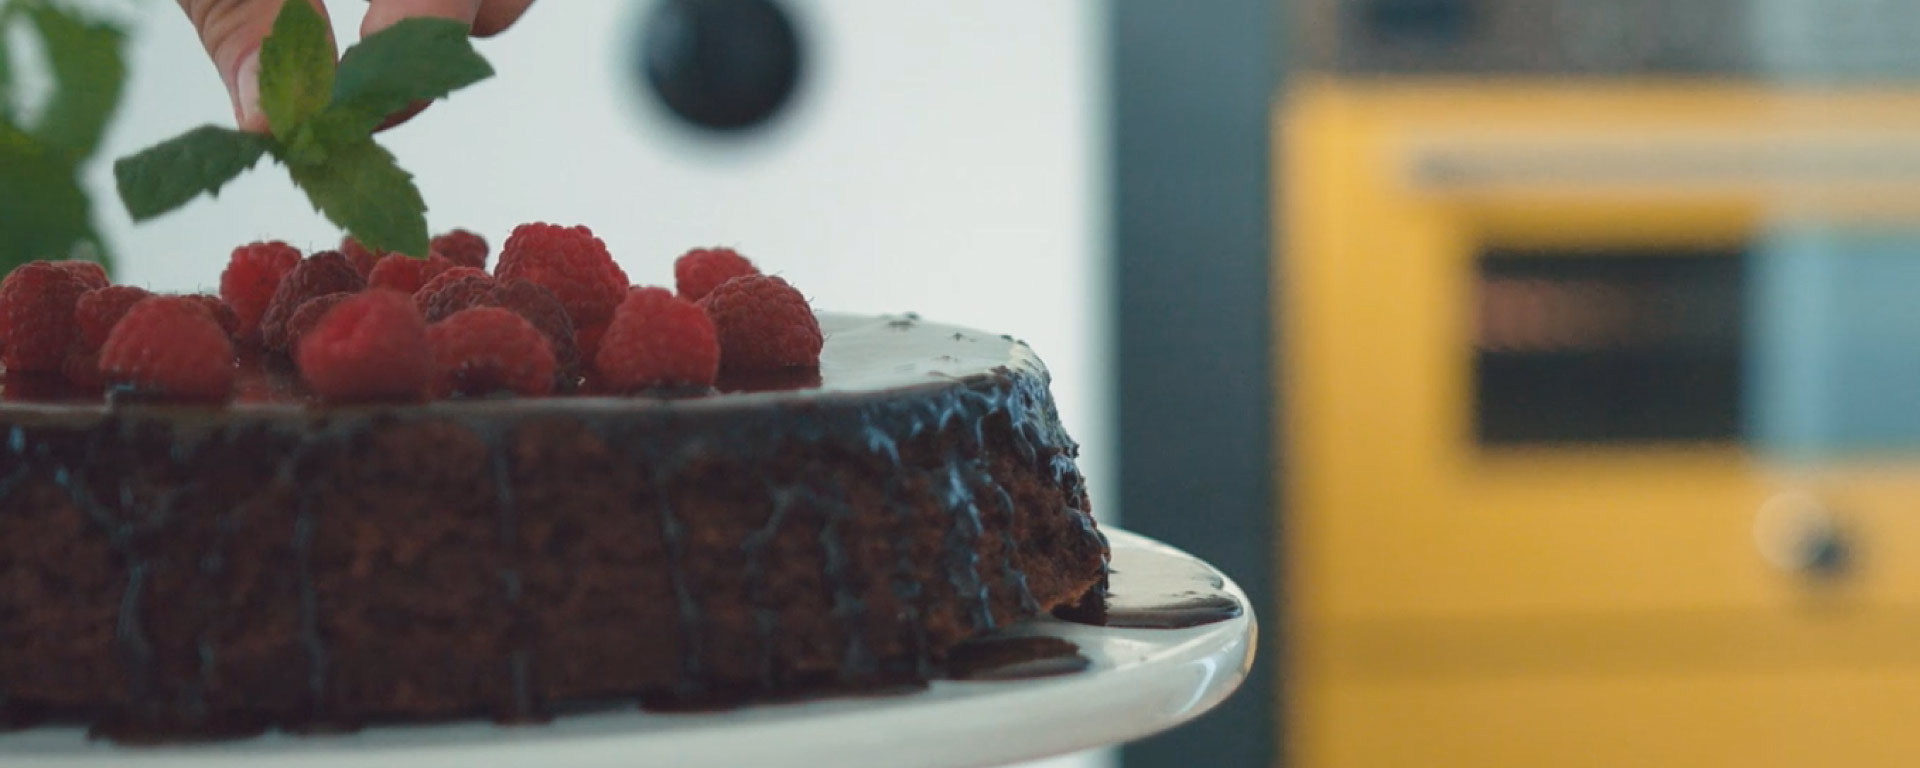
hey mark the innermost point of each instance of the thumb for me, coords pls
(231, 31)
(385, 13)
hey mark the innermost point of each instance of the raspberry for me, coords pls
(253, 273)
(658, 339)
(97, 310)
(222, 312)
(483, 350)
(169, 346)
(463, 248)
(453, 275)
(569, 261)
(539, 307)
(403, 273)
(309, 314)
(81, 368)
(370, 346)
(36, 316)
(764, 324)
(361, 257)
(699, 271)
(438, 299)
(529, 300)
(320, 274)
(90, 273)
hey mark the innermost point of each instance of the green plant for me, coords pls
(322, 117)
(45, 213)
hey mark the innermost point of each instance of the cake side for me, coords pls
(172, 570)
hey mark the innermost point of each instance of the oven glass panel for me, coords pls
(1603, 346)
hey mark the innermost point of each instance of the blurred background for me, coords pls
(1547, 370)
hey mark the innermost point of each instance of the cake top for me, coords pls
(863, 355)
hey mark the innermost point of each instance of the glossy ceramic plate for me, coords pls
(1139, 682)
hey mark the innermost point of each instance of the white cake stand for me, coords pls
(1141, 681)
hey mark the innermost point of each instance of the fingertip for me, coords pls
(243, 86)
(496, 16)
(401, 116)
(385, 13)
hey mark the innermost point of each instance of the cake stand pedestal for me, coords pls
(1140, 681)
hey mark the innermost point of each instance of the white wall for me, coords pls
(946, 158)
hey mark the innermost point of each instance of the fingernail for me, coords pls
(246, 93)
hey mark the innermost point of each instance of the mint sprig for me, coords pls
(45, 146)
(322, 117)
(296, 68)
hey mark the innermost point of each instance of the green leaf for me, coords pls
(43, 210)
(417, 59)
(6, 63)
(168, 175)
(88, 70)
(296, 67)
(361, 189)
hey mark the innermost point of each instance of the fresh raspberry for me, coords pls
(539, 306)
(423, 296)
(463, 248)
(569, 261)
(529, 300)
(222, 312)
(438, 299)
(97, 310)
(699, 271)
(36, 316)
(361, 257)
(318, 275)
(764, 324)
(309, 314)
(169, 346)
(370, 346)
(90, 273)
(253, 273)
(403, 273)
(81, 368)
(657, 339)
(484, 350)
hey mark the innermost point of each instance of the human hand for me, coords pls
(232, 30)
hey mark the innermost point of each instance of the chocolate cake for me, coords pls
(174, 570)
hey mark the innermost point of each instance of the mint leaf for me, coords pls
(361, 189)
(417, 59)
(6, 63)
(43, 210)
(88, 72)
(296, 67)
(168, 175)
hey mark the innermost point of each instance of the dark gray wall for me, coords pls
(1192, 86)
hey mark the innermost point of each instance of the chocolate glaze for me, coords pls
(1157, 591)
(885, 387)
(1015, 658)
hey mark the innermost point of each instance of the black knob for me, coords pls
(1826, 555)
(721, 65)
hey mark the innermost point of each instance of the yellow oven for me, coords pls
(1602, 422)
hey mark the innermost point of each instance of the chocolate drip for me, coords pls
(304, 523)
(134, 650)
(1015, 658)
(856, 662)
(765, 619)
(963, 553)
(519, 656)
(672, 533)
(1157, 590)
